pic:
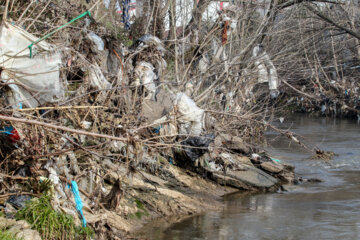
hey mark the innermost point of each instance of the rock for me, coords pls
(288, 167)
(311, 180)
(272, 167)
(6, 222)
(314, 180)
(22, 224)
(94, 218)
(243, 160)
(20, 229)
(10, 211)
(19, 226)
(230, 181)
(28, 234)
(250, 179)
(287, 175)
(234, 161)
(231, 142)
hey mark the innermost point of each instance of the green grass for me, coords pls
(49, 223)
(142, 211)
(4, 235)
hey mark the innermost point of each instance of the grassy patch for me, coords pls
(4, 235)
(142, 211)
(49, 223)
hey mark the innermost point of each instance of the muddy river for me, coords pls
(326, 210)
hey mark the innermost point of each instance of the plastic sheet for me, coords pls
(107, 3)
(19, 201)
(266, 70)
(33, 81)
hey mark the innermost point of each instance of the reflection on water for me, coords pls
(327, 210)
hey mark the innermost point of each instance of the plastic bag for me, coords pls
(145, 72)
(34, 80)
(97, 40)
(148, 40)
(97, 78)
(197, 146)
(189, 115)
(107, 3)
(266, 70)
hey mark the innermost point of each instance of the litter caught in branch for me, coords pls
(34, 81)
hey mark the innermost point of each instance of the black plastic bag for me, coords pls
(195, 147)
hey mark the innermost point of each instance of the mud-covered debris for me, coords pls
(323, 155)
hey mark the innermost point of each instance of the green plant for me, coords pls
(50, 223)
(142, 211)
(4, 235)
(38, 187)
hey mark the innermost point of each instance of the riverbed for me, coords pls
(326, 210)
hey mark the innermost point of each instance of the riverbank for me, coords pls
(165, 190)
(168, 196)
(164, 198)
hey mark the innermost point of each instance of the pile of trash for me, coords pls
(79, 120)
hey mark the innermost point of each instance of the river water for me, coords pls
(326, 210)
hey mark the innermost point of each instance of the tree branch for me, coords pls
(332, 22)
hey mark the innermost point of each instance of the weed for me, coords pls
(4, 235)
(142, 211)
(49, 223)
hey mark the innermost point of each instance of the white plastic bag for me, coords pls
(35, 80)
(266, 69)
(97, 40)
(107, 3)
(189, 115)
(145, 72)
(97, 79)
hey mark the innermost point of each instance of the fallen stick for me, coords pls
(66, 129)
(58, 108)
(18, 193)
(6, 10)
(298, 91)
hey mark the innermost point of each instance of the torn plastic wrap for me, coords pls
(266, 70)
(148, 40)
(34, 81)
(146, 77)
(97, 79)
(165, 128)
(189, 115)
(97, 40)
(107, 4)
